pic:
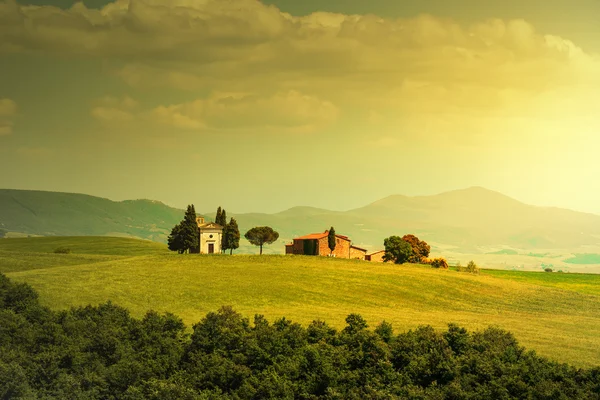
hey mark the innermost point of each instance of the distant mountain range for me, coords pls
(465, 220)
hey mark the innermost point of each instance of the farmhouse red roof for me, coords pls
(319, 236)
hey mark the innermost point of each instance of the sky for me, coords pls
(262, 106)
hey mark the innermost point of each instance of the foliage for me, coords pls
(261, 235)
(3, 232)
(397, 250)
(221, 217)
(548, 269)
(420, 248)
(438, 263)
(223, 221)
(175, 241)
(331, 239)
(191, 234)
(185, 236)
(102, 352)
(231, 236)
(218, 216)
(471, 268)
(62, 250)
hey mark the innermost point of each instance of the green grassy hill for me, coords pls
(471, 221)
(65, 214)
(556, 314)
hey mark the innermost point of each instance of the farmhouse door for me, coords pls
(211, 248)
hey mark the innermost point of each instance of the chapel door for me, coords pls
(211, 248)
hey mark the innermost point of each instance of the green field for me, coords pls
(584, 259)
(558, 315)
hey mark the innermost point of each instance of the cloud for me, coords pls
(287, 111)
(8, 111)
(113, 109)
(424, 74)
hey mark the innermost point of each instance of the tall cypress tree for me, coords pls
(331, 239)
(218, 216)
(231, 236)
(191, 234)
(223, 221)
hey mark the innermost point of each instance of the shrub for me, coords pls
(548, 269)
(62, 250)
(471, 268)
(439, 263)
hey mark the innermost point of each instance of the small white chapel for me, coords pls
(210, 236)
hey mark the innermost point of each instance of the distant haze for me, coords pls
(263, 106)
(467, 221)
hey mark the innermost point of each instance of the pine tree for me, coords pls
(261, 235)
(231, 236)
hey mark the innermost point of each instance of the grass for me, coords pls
(96, 245)
(580, 283)
(584, 259)
(558, 315)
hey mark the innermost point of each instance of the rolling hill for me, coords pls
(70, 214)
(558, 315)
(474, 220)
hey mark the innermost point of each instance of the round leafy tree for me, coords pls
(397, 250)
(261, 235)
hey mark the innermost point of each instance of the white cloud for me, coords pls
(289, 111)
(284, 111)
(112, 109)
(8, 111)
(427, 73)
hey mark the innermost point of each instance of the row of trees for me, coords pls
(185, 236)
(102, 352)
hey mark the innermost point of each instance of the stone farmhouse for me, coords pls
(376, 257)
(211, 235)
(317, 244)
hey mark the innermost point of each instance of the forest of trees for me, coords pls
(101, 352)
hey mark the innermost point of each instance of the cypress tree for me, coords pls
(223, 221)
(231, 236)
(191, 234)
(218, 216)
(331, 239)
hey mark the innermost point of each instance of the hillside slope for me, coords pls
(71, 214)
(470, 220)
(558, 315)
(475, 217)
